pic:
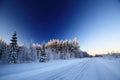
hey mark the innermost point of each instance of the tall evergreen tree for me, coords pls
(43, 54)
(12, 57)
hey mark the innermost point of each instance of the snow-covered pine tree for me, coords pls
(43, 54)
(12, 57)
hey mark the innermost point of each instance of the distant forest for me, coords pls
(51, 50)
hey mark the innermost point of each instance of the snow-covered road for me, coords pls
(77, 69)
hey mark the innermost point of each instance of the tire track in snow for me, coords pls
(59, 74)
(56, 72)
(81, 71)
(109, 69)
(77, 69)
(32, 73)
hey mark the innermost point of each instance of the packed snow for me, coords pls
(74, 69)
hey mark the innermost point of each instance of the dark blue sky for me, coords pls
(94, 22)
(45, 19)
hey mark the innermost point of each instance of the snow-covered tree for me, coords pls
(63, 49)
(12, 57)
(43, 54)
(26, 54)
(3, 46)
(34, 54)
(38, 48)
(6, 54)
(22, 54)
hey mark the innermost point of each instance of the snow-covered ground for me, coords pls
(77, 69)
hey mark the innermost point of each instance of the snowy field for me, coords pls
(77, 69)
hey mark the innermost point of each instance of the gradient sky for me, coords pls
(96, 23)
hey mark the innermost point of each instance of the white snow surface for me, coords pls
(74, 69)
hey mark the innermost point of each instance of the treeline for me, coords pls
(109, 55)
(52, 50)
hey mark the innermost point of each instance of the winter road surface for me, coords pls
(77, 69)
